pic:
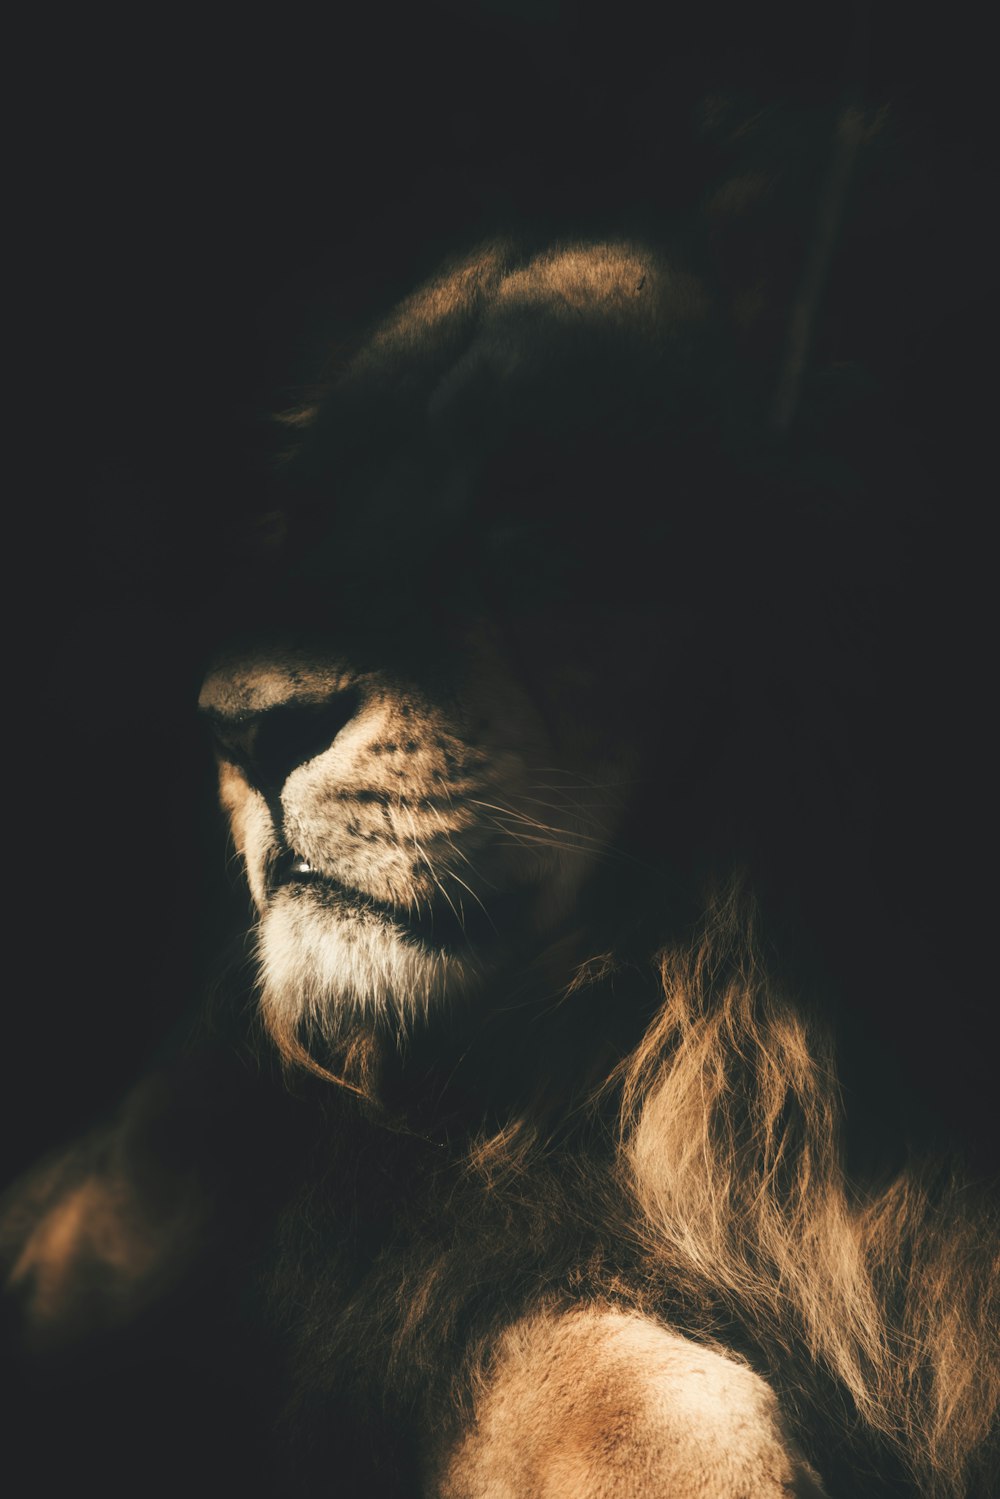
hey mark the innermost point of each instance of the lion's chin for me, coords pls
(323, 961)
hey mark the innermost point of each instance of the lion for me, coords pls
(549, 1198)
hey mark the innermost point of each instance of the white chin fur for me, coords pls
(316, 965)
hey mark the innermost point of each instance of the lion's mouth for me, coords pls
(292, 870)
(440, 925)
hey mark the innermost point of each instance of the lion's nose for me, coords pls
(269, 723)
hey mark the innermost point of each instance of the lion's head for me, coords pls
(532, 724)
(473, 709)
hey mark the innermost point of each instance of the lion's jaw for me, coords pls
(428, 848)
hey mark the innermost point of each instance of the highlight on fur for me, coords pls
(731, 1128)
(603, 1402)
(877, 1305)
(554, 1200)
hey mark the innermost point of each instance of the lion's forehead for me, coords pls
(602, 276)
(497, 299)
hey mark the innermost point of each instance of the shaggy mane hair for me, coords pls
(663, 1134)
(731, 1138)
(700, 1181)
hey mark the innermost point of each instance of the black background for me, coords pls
(196, 199)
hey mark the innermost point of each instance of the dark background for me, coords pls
(196, 202)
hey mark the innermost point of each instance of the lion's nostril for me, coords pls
(270, 744)
(289, 736)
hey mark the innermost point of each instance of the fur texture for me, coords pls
(603, 1403)
(557, 1205)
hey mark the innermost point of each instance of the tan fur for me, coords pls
(599, 1404)
(545, 756)
(420, 812)
(92, 1225)
(730, 1108)
(732, 1130)
(87, 1246)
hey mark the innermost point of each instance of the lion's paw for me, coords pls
(600, 1404)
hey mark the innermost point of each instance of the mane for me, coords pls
(731, 1131)
(702, 1181)
(705, 1173)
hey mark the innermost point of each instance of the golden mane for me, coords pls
(731, 1126)
(581, 1108)
(877, 1305)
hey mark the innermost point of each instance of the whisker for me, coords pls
(448, 834)
(451, 875)
(569, 804)
(609, 855)
(534, 822)
(459, 915)
(583, 781)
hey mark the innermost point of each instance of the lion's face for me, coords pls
(404, 840)
(428, 756)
